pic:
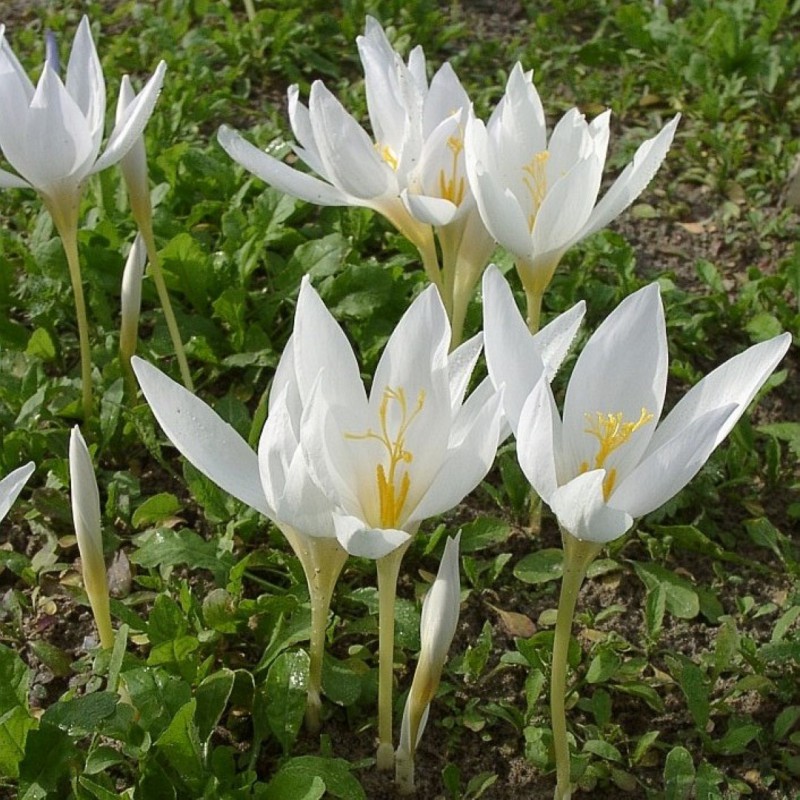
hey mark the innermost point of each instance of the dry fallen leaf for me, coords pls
(515, 624)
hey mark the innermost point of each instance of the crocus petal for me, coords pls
(465, 465)
(622, 370)
(10, 181)
(58, 142)
(85, 500)
(445, 96)
(512, 354)
(12, 485)
(633, 180)
(319, 343)
(131, 296)
(460, 364)
(440, 607)
(499, 208)
(10, 63)
(666, 470)
(276, 173)
(430, 210)
(131, 127)
(86, 84)
(555, 338)
(364, 542)
(347, 152)
(539, 440)
(736, 381)
(205, 440)
(582, 511)
(521, 121)
(134, 163)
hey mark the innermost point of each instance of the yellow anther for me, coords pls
(453, 188)
(535, 178)
(611, 432)
(388, 155)
(392, 486)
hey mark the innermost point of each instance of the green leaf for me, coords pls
(45, 770)
(294, 785)
(212, 696)
(283, 696)
(603, 666)
(678, 774)
(483, 532)
(681, 599)
(694, 686)
(14, 680)
(736, 738)
(180, 745)
(541, 566)
(340, 682)
(335, 772)
(81, 715)
(14, 727)
(155, 510)
(40, 345)
(168, 548)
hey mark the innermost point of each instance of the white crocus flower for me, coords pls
(275, 482)
(437, 628)
(411, 168)
(608, 460)
(12, 485)
(86, 518)
(52, 135)
(538, 197)
(131, 299)
(410, 449)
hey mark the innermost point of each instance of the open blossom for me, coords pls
(52, 134)
(607, 459)
(538, 196)
(411, 169)
(413, 447)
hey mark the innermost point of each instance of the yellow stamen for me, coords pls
(388, 155)
(453, 189)
(535, 178)
(392, 483)
(611, 432)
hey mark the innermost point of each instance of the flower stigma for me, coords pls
(393, 486)
(611, 432)
(453, 189)
(535, 179)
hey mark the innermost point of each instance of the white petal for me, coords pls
(522, 121)
(276, 173)
(569, 144)
(10, 63)
(205, 440)
(582, 512)
(440, 608)
(430, 210)
(301, 127)
(10, 181)
(131, 295)
(445, 96)
(465, 465)
(134, 163)
(665, 471)
(634, 179)
(736, 381)
(319, 343)
(347, 152)
(366, 542)
(554, 340)
(86, 84)
(132, 126)
(622, 369)
(85, 499)
(12, 485)
(499, 208)
(512, 354)
(460, 364)
(539, 440)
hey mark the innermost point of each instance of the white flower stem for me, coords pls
(99, 602)
(578, 555)
(328, 558)
(67, 227)
(388, 570)
(322, 560)
(146, 228)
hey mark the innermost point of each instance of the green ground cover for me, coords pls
(685, 676)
